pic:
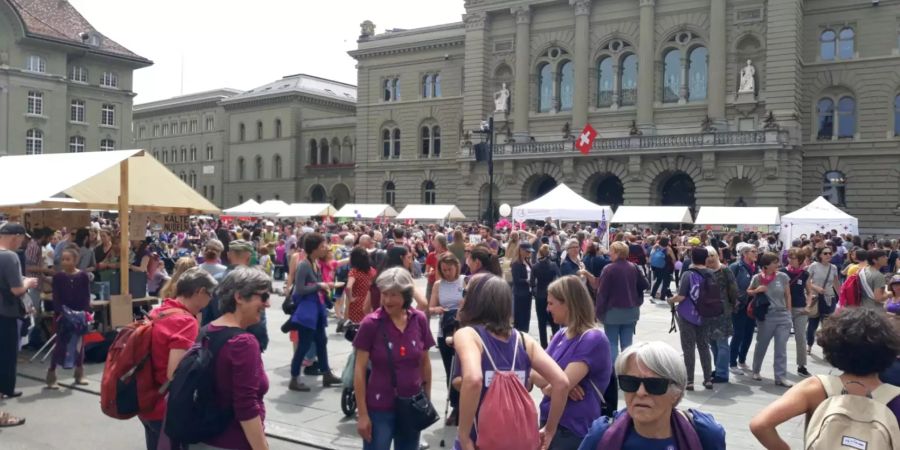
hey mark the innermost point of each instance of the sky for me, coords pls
(243, 44)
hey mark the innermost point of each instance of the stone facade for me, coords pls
(64, 86)
(658, 79)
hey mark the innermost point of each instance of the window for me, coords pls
(386, 144)
(277, 128)
(259, 130)
(77, 112)
(391, 88)
(436, 141)
(825, 111)
(390, 193)
(36, 64)
(259, 167)
(107, 145)
(276, 165)
(671, 76)
(846, 44)
(141, 132)
(396, 89)
(240, 169)
(193, 125)
(184, 127)
(78, 74)
(426, 141)
(34, 142)
(628, 80)
(437, 85)
(605, 82)
(396, 139)
(545, 88)
(240, 199)
(566, 85)
(834, 187)
(431, 141)
(155, 130)
(697, 71)
(174, 155)
(313, 152)
(110, 80)
(193, 153)
(212, 193)
(839, 122)
(209, 152)
(184, 154)
(165, 129)
(827, 41)
(210, 123)
(324, 152)
(390, 143)
(108, 115)
(429, 194)
(174, 127)
(897, 115)
(205, 192)
(431, 85)
(76, 144)
(846, 117)
(183, 176)
(165, 156)
(193, 179)
(242, 132)
(35, 103)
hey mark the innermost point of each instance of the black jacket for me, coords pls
(521, 285)
(544, 272)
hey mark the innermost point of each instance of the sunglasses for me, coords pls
(826, 253)
(653, 386)
(264, 296)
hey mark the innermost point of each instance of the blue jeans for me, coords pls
(721, 355)
(743, 335)
(384, 432)
(307, 337)
(619, 335)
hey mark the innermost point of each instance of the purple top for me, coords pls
(502, 352)
(73, 291)
(241, 382)
(407, 347)
(591, 348)
(621, 286)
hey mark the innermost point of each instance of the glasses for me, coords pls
(264, 296)
(653, 386)
(826, 253)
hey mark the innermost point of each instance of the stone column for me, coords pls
(475, 92)
(716, 66)
(582, 62)
(522, 83)
(646, 66)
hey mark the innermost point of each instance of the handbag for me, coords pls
(820, 306)
(449, 322)
(411, 414)
(288, 306)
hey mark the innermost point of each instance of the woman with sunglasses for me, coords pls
(822, 288)
(653, 378)
(571, 263)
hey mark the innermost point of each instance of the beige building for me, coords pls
(697, 102)
(64, 86)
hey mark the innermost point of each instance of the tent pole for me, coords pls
(124, 263)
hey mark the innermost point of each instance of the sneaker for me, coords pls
(756, 376)
(737, 370)
(784, 383)
(744, 366)
(802, 371)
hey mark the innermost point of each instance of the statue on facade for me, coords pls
(707, 126)
(770, 123)
(366, 29)
(634, 131)
(501, 99)
(748, 82)
(567, 131)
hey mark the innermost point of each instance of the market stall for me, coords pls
(250, 208)
(562, 203)
(818, 216)
(363, 211)
(742, 218)
(272, 208)
(128, 181)
(431, 212)
(306, 210)
(645, 215)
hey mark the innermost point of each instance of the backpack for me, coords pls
(853, 421)
(709, 302)
(851, 292)
(127, 388)
(191, 413)
(507, 406)
(658, 259)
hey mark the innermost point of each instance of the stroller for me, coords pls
(348, 395)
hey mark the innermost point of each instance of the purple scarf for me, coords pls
(683, 432)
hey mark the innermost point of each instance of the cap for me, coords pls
(526, 246)
(694, 241)
(240, 245)
(13, 229)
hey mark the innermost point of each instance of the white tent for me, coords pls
(564, 204)
(652, 214)
(819, 215)
(272, 207)
(298, 210)
(366, 211)
(431, 212)
(246, 209)
(737, 215)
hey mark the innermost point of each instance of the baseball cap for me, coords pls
(240, 245)
(526, 246)
(13, 229)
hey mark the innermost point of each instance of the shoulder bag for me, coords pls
(411, 414)
(820, 306)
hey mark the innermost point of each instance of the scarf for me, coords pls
(683, 432)
(794, 273)
(766, 279)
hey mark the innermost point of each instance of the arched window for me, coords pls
(545, 88)
(34, 142)
(697, 74)
(827, 45)
(193, 179)
(335, 151)
(429, 193)
(628, 80)
(426, 141)
(396, 143)
(671, 76)
(209, 152)
(846, 117)
(259, 167)
(165, 157)
(259, 130)
(436, 141)
(324, 154)
(347, 150)
(313, 152)
(605, 82)
(437, 85)
(846, 48)
(897, 115)
(240, 168)
(396, 89)
(834, 187)
(183, 154)
(825, 111)
(193, 153)
(386, 143)
(276, 166)
(242, 132)
(427, 86)
(174, 155)
(182, 176)
(566, 85)
(390, 194)
(277, 128)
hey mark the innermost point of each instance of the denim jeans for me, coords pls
(619, 335)
(384, 432)
(721, 355)
(743, 336)
(308, 337)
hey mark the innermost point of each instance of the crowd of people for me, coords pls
(725, 290)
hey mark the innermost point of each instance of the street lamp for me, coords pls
(485, 152)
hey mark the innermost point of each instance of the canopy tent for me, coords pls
(297, 210)
(124, 180)
(366, 211)
(561, 203)
(431, 212)
(272, 207)
(247, 209)
(819, 215)
(652, 214)
(737, 215)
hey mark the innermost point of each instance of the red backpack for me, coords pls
(507, 418)
(851, 292)
(128, 388)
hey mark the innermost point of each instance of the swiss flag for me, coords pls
(585, 140)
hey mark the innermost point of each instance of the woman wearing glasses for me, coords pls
(653, 377)
(822, 287)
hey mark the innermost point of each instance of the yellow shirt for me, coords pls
(852, 269)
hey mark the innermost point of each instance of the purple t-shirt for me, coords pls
(407, 348)
(591, 348)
